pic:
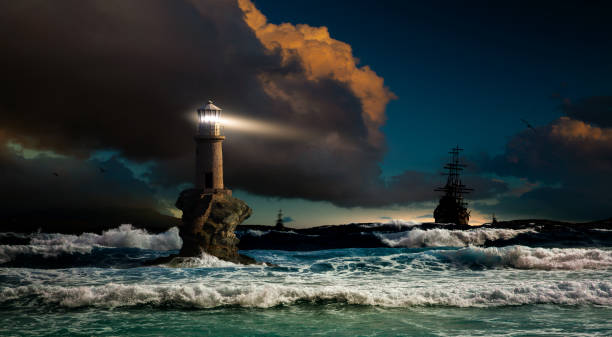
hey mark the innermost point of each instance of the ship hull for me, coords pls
(450, 211)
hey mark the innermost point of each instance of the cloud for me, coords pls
(81, 77)
(47, 181)
(565, 168)
(85, 76)
(594, 110)
(322, 57)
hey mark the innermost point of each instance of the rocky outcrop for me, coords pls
(209, 221)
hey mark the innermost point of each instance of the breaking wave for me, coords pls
(439, 237)
(255, 232)
(9, 252)
(259, 233)
(522, 257)
(271, 295)
(125, 236)
(397, 223)
(203, 261)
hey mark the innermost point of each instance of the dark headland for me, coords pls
(536, 233)
(544, 233)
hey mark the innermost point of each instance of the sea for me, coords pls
(416, 282)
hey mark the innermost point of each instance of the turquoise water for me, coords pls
(306, 320)
(67, 285)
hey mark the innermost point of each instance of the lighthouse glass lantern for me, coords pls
(209, 119)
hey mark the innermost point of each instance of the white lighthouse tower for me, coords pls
(209, 153)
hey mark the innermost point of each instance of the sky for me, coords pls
(351, 106)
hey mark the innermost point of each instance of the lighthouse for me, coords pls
(209, 153)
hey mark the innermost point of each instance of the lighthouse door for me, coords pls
(208, 180)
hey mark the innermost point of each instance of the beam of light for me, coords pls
(236, 124)
(262, 127)
(266, 128)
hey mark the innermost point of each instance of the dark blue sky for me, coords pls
(466, 73)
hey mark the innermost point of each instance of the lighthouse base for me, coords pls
(209, 221)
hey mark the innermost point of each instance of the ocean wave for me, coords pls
(14, 235)
(125, 236)
(271, 295)
(440, 237)
(522, 257)
(203, 261)
(255, 232)
(398, 223)
(260, 233)
(9, 252)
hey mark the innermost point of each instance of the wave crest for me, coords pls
(125, 236)
(440, 237)
(522, 257)
(9, 253)
(270, 295)
(203, 261)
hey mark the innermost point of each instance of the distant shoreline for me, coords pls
(530, 232)
(97, 221)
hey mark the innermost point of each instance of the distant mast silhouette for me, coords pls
(452, 207)
(279, 220)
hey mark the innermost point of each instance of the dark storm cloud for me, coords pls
(81, 76)
(86, 75)
(45, 182)
(595, 110)
(571, 161)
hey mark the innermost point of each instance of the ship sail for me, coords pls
(452, 207)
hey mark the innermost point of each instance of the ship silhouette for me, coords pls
(279, 221)
(452, 207)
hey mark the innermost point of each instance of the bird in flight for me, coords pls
(102, 170)
(528, 125)
(56, 174)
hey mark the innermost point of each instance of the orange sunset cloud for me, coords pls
(322, 57)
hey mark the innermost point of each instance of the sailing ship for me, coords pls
(452, 207)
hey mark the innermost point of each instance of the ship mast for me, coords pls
(279, 220)
(454, 188)
(452, 208)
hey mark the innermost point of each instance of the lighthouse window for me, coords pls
(208, 180)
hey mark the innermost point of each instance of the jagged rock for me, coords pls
(209, 221)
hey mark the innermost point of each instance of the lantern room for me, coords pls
(209, 119)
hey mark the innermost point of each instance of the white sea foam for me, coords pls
(125, 236)
(15, 235)
(399, 223)
(259, 233)
(440, 237)
(531, 258)
(270, 295)
(203, 261)
(255, 232)
(9, 252)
